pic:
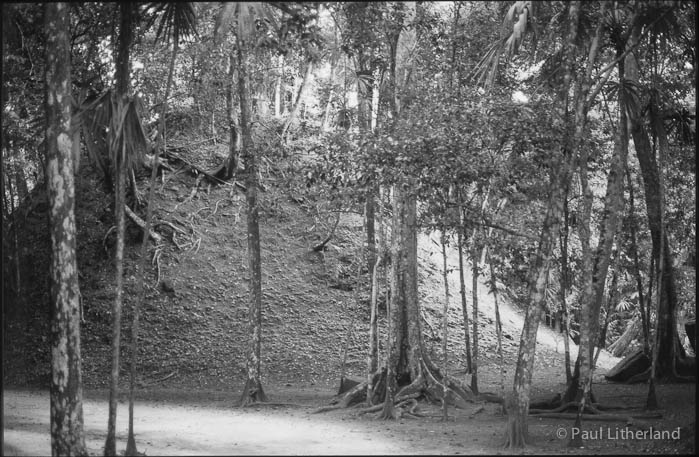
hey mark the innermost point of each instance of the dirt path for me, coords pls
(176, 422)
(167, 428)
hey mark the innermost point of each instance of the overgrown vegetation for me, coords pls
(548, 142)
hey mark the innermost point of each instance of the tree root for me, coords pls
(400, 402)
(599, 417)
(274, 404)
(142, 224)
(253, 393)
(324, 409)
(589, 408)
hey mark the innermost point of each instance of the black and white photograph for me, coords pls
(349, 228)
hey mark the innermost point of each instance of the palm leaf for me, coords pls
(178, 20)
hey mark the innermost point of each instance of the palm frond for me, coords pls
(178, 20)
(245, 16)
(520, 15)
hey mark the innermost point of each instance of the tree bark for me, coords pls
(474, 302)
(462, 289)
(636, 266)
(445, 325)
(252, 392)
(670, 348)
(122, 87)
(234, 144)
(517, 404)
(278, 88)
(564, 285)
(297, 103)
(67, 433)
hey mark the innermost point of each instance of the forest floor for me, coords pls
(194, 326)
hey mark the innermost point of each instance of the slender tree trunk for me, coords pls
(445, 326)
(474, 301)
(67, 434)
(462, 291)
(278, 88)
(110, 444)
(231, 165)
(564, 286)
(326, 113)
(252, 392)
(373, 357)
(636, 266)
(517, 404)
(498, 324)
(375, 94)
(131, 448)
(122, 89)
(297, 103)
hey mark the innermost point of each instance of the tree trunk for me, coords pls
(474, 301)
(396, 307)
(375, 94)
(252, 392)
(231, 166)
(636, 266)
(67, 434)
(632, 330)
(498, 325)
(373, 357)
(297, 103)
(517, 404)
(670, 347)
(462, 291)
(324, 127)
(278, 88)
(564, 285)
(122, 87)
(445, 324)
(131, 448)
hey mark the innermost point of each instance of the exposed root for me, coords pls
(275, 404)
(589, 408)
(252, 393)
(324, 409)
(141, 223)
(600, 417)
(399, 403)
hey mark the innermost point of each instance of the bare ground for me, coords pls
(193, 345)
(179, 422)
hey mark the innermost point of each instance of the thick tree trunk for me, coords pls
(633, 328)
(67, 434)
(670, 348)
(396, 306)
(252, 392)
